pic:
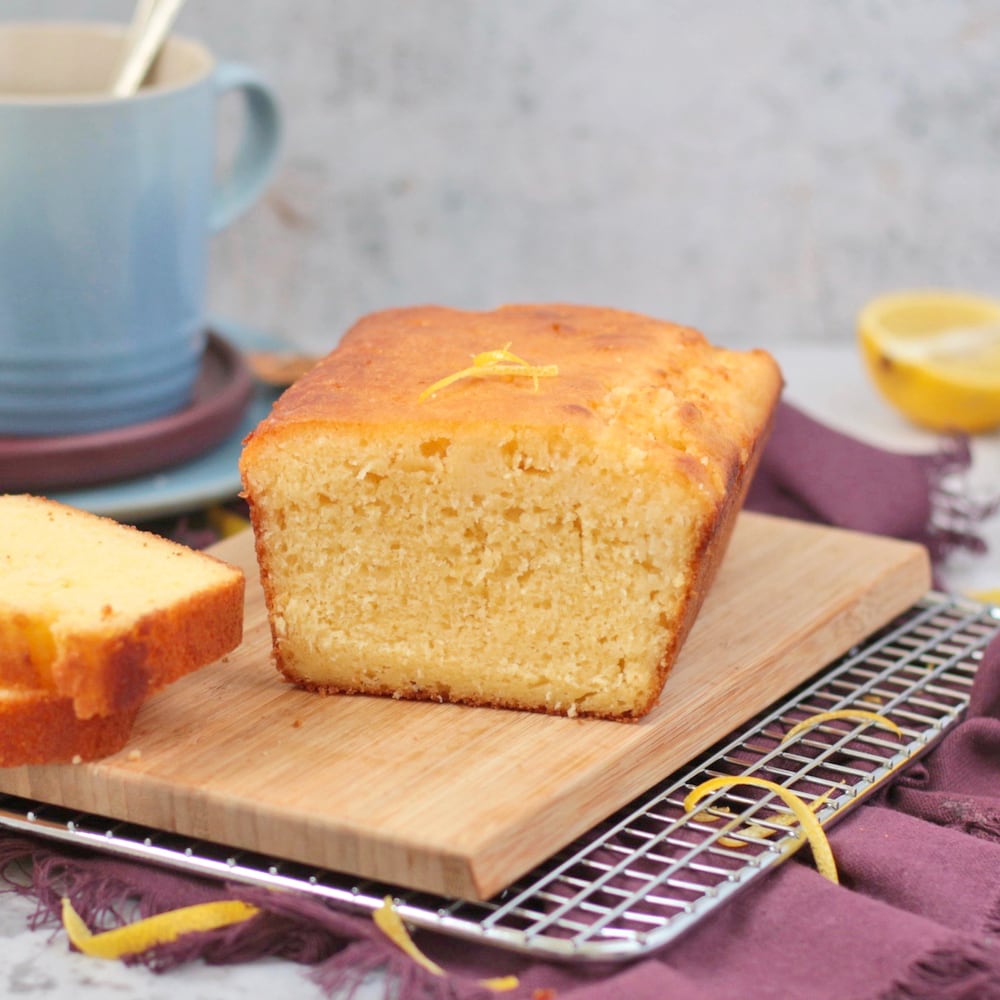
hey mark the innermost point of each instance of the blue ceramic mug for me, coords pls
(107, 206)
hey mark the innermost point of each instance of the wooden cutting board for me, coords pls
(462, 801)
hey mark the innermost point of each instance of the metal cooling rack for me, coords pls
(647, 874)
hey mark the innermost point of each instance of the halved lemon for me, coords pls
(935, 357)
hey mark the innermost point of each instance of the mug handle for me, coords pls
(257, 154)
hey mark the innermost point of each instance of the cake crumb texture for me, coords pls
(543, 547)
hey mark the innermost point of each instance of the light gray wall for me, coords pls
(757, 168)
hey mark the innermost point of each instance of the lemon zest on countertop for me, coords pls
(851, 714)
(986, 596)
(140, 936)
(812, 829)
(493, 363)
(390, 923)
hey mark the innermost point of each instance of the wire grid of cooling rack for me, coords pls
(641, 878)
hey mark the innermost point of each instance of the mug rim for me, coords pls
(96, 98)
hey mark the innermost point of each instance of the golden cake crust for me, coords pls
(386, 360)
(37, 727)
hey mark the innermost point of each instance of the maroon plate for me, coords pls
(221, 395)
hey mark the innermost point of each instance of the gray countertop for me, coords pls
(40, 964)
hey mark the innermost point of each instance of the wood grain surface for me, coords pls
(462, 801)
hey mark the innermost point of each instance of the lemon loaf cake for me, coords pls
(104, 614)
(37, 727)
(520, 508)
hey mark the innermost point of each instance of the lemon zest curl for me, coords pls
(755, 830)
(390, 923)
(812, 829)
(140, 936)
(493, 363)
(851, 714)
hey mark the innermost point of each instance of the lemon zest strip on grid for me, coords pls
(755, 829)
(812, 829)
(852, 714)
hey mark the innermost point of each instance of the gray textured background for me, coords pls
(758, 169)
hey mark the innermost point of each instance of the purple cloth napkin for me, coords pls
(813, 473)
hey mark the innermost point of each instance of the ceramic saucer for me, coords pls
(220, 399)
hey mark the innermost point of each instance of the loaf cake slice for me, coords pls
(537, 533)
(37, 727)
(103, 614)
